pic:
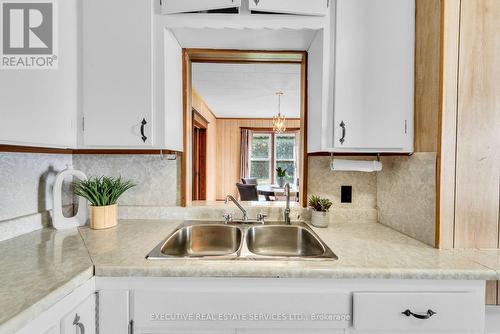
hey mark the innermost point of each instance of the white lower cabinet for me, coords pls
(82, 320)
(74, 314)
(278, 306)
(158, 305)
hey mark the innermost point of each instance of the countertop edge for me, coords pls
(18, 321)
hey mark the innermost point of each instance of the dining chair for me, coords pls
(248, 192)
(249, 180)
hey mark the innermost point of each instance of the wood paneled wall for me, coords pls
(478, 126)
(470, 125)
(469, 168)
(228, 150)
(204, 110)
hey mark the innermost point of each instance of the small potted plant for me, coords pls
(320, 214)
(281, 174)
(102, 193)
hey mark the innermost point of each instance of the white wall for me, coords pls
(40, 106)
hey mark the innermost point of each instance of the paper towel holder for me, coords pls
(332, 156)
(346, 165)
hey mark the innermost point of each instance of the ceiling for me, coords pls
(248, 90)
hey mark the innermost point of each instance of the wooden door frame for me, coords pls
(202, 158)
(190, 56)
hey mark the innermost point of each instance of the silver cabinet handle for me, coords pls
(78, 324)
(256, 2)
(342, 139)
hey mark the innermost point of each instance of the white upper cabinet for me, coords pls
(298, 7)
(117, 74)
(187, 6)
(373, 81)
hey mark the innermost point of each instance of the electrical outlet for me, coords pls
(346, 194)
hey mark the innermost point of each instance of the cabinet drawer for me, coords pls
(454, 311)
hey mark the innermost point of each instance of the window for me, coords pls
(260, 157)
(285, 155)
(269, 151)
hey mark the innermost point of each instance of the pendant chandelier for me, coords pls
(279, 120)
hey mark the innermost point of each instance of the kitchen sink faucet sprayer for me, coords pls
(287, 209)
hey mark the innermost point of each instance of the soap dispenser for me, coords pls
(59, 221)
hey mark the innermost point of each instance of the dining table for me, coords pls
(268, 190)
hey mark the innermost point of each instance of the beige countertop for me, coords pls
(38, 269)
(365, 250)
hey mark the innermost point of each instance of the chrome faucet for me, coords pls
(287, 209)
(232, 199)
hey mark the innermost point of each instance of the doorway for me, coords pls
(200, 126)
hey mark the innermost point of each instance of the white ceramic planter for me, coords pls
(320, 219)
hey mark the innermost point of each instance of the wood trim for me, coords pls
(138, 152)
(447, 125)
(186, 172)
(253, 119)
(245, 56)
(427, 74)
(199, 121)
(209, 109)
(491, 297)
(304, 168)
(34, 149)
(48, 150)
(257, 129)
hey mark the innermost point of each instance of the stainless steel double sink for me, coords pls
(242, 241)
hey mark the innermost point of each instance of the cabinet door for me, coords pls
(117, 73)
(186, 6)
(299, 7)
(82, 319)
(374, 74)
(113, 311)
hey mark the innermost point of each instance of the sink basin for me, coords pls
(242, 241)
(283, 240)
(203, 240)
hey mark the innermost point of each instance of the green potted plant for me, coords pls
(281, 174)
(102, 193)
(320, 211)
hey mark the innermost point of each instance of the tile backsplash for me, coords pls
(326, 183)
(406, 190)
(26, 182)
(402, 196)
(158, 181)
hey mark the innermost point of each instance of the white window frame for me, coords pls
(294, 160)
(272, 158)
(269, 158)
